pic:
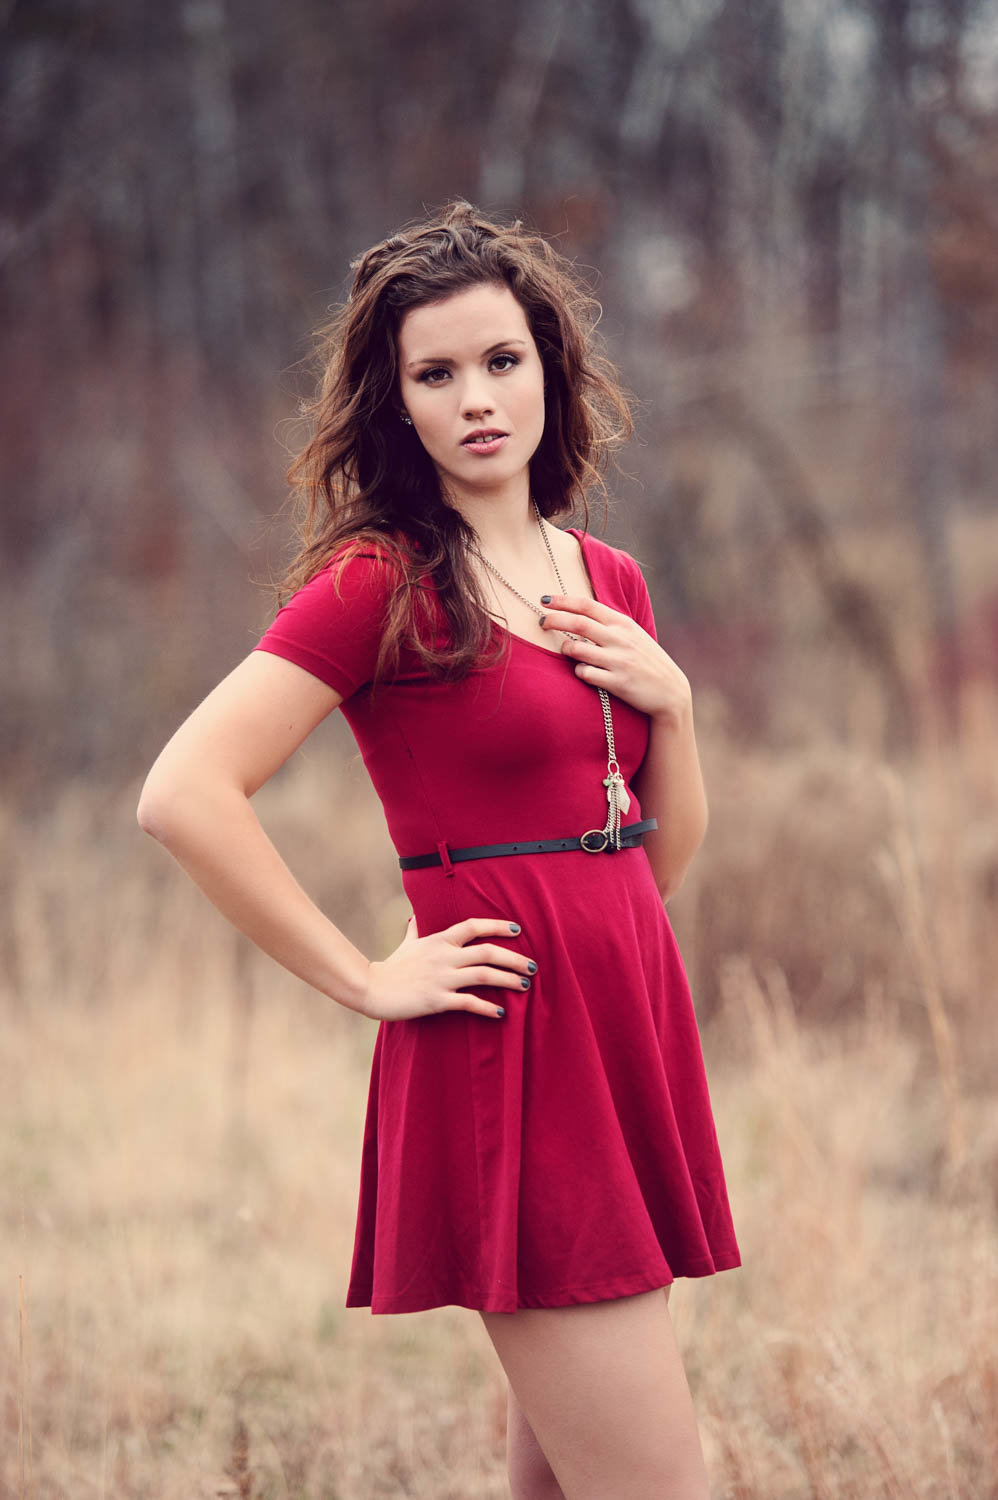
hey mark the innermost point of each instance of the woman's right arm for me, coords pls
(196, 803)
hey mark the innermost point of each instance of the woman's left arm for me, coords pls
(617, 654)
(670, 788)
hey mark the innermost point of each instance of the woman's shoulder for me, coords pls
(335, 624)
(619, 580)
(612, 560)
(369, 547)
(385, 572)
(381, 561)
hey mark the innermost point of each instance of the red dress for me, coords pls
(566, 1153)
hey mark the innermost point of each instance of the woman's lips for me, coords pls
(484, 446)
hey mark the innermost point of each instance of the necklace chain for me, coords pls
(614, 783)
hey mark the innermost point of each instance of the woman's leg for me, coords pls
(602, 1387)
(530, 1475)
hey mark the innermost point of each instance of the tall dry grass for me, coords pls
(180, 1130)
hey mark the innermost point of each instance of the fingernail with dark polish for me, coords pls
(531, 966)
(546, 598)
(542, 619)
(525, 984)
(500, 1012)
(514, 926)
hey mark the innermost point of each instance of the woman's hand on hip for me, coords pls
(427, 975)
(617, 654)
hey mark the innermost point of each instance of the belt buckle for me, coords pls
(594, 833)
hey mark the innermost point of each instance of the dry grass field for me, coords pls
(180, 1130)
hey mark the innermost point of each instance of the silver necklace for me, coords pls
(618, 799)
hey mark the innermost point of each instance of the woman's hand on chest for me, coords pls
(615, 653)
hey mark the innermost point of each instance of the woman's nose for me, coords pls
(476, 402)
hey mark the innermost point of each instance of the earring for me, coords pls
(406, 418)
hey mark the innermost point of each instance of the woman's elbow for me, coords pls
(179, 800)
(670, 880)
(166, 801)
(154, 808)
(667, 888)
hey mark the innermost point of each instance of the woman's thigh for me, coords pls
(603, 1388)
(530, 1475)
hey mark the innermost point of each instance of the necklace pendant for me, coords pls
(616, 790)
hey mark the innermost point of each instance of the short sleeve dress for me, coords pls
(567, 1153)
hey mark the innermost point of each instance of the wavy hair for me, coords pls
(364, 479)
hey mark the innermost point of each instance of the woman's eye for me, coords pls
(499, 363)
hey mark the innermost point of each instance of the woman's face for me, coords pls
(471, 379)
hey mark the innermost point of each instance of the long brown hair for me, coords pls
(364, 477)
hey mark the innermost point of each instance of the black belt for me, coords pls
(598, 843)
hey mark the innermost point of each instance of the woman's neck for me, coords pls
(505, 525)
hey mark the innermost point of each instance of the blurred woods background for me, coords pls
(793, 209)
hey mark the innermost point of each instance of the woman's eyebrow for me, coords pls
(426, 359)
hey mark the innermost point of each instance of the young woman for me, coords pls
(539, 1142)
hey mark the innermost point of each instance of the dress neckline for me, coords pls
(587, 563)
